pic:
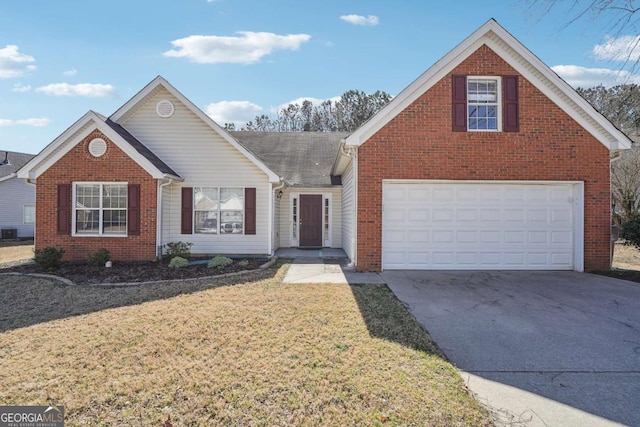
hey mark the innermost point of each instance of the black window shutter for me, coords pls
(249, 211)
(511, 121)
(187, 210)
(459, 103)
(133, 209)
(63, 211)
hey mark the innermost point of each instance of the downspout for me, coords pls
(28, 181)
(353, 153)
(615, 156)
(274, 193)
(159, 217)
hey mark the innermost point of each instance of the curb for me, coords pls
(42, 276)
(68, 282)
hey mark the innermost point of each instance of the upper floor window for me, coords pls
(483, 103)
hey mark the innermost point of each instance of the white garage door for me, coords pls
(490, 226)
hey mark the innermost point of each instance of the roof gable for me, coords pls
(80, 130)
(150, 90)
(524, 62)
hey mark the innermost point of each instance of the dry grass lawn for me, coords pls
(626, 257)
(237, 351)
(11, 252)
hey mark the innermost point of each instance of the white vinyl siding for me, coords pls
(484, 226)
(348, 217)
(204, 159)
(276, 220)
(286, 220)
(16, 194)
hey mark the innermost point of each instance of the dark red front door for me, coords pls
(311, 220)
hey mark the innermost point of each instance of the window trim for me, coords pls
(219, 211)
(499, 102)
(24, 211)
(74, 209)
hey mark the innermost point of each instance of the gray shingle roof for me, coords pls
(16, 160)
(303, 159)
(141, 148)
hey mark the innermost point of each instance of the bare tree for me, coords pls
(614, 17)
(347, 114)
(621, 105)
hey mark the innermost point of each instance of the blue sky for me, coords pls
(238, 58)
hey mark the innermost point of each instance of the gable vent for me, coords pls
(97, 147)
(165, 108)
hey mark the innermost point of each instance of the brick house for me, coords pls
(487, 161)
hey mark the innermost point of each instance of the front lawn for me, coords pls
(247, 350)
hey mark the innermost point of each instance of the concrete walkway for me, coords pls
(325, 265)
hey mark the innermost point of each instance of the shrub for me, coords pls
(99, 258)
(630, 230)
(243, 263)
(178, 262)
(219, 262)
(180, 249)
(49, 257)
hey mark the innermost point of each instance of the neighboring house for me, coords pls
(487, 161)
(17, 208)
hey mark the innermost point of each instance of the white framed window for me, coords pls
(29, 214)
(326, 211)
(100, 209)
(483, 104)
(218, 210)
(294, 229)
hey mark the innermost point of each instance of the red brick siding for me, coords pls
(419, 144)
(113, 166)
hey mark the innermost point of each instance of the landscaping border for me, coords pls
(68, 282)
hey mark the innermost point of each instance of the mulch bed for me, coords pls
(123, 272)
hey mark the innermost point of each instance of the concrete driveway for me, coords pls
(539, 348)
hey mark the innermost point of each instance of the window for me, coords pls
(485, 103)
(294, 231)
(100, 209)
(326, 219)
(29, 215)
(483, 107)
(218, 210)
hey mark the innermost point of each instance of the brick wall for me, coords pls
(419, 144)
(113, 166)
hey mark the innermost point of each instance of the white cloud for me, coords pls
(92, 90)
(238, 112)
(71, 72)
(13, 63)
(246, 48)
(19, 87)
(584, 77)
(370, 20)
(625, 48)
(33, 122)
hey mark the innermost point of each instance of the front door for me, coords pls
(311, 220)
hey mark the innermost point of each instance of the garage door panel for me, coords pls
(478, 225)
